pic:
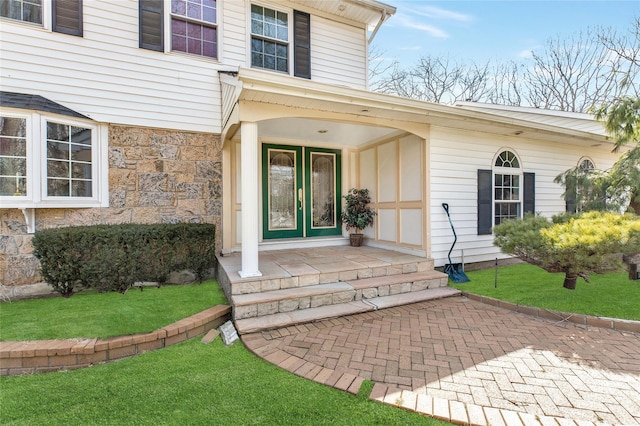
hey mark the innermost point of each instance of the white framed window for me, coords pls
(52, 161)
(507, 187)
(61, 16)
(23, 10)
(269, 39)
(194, 27)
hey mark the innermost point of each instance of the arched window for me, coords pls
(504, 192)
(586, 165)
(507, 187)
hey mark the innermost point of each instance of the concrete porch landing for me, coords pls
(310, 284)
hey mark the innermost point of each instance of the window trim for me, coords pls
(587, 169)
(289, 42)
(46, 18)
(511, 171)
(36, 147)
(486, 214)
(168, 35)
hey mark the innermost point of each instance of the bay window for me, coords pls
(51, 161)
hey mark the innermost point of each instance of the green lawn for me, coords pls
(188, 384)
(610, 295)
(89, 314)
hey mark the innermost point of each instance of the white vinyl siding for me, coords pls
(233, 33)
(338, 53)
(105, 76)
(456, 157)
(338, 50)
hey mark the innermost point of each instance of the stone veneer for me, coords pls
(155, 176)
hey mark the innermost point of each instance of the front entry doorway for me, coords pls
(300, 191)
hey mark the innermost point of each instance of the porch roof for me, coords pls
(250, 87)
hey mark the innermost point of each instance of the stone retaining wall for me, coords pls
(41, 356)
(155, 176)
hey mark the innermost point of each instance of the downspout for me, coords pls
(383, 18)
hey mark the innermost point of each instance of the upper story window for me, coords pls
(51, 161)
(269, 39)
(22, 10)
(66, 15)
(193, 27)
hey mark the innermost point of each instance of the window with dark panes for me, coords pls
(69, 161)
(67, 16)
(22, 10)
(269, 39)
(507, 187)
(194, 27)
(13, 156)
(504, 192)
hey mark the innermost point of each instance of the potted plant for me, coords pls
(357, 215)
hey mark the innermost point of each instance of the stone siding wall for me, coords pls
(155, 176)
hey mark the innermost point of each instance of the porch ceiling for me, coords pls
(322, 131)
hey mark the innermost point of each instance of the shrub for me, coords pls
(577, 245)
(114, 257)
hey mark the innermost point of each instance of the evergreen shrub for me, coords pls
(115, 257)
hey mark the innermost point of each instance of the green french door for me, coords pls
(301, 191)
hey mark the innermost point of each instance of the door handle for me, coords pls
(300, 197)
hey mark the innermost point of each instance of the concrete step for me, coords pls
(269, 322)
(368, 288)
(305, 275)
(284, 319)
(383, 302)
(313, 296)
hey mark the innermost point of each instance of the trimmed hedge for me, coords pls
(114, 257)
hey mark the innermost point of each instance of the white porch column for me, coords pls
(250, 216)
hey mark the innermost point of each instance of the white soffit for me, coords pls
(368, 12)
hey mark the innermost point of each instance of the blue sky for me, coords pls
(491, 30)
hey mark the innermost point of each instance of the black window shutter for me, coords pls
(529, 193)
(301, 44)
(67, 17)
(485, 200)
(151, 25)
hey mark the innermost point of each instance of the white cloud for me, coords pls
(525, 54)
(439, 13)
(408, 22)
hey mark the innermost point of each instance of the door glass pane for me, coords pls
(282, 190)
(323, 202)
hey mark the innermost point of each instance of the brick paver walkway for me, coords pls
(469, 362)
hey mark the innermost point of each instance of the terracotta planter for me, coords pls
(356, 239)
